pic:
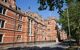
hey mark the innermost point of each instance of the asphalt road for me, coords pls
(41, 46)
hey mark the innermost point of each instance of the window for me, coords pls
(4, 0)
(48, 22)
(2, 10)
(18, 37)
(48, 29)
(30, 27)
(10, 6)
(1, 37)
(1, 23)
(20, 17)
(19, 27)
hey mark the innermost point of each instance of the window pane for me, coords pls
(19, 27)
(2, 24)
(20, 17)
(18, 37)
(4, 10)
(4, 0)
(1, 37)
(1, 9)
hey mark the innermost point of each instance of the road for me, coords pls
(42, 46)
(49, 44)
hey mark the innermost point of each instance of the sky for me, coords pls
(33, 4)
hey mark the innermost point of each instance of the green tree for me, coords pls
(52, 4)
(74, 16)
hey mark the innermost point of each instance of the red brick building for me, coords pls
(13, 25)
(63, 35)
(17, 27)
(51, 29)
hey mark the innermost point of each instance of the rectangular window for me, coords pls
(48, 29)
(1, 23)
(19, 27)
(18, 37)
(4, 0)
(20, 17)
(2, 10)
(30, 27)
(1, 37)
(48, 22)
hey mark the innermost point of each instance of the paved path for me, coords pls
(49, 44)
(41, 46)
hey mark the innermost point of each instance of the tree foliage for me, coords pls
(51, 5)
(74, 17)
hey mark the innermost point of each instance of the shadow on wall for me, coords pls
(35, 48)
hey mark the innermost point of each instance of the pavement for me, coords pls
(49, 44)
(43, 46)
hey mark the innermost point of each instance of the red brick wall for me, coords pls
(51, 31)
(10, 31)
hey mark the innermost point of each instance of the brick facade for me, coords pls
(63, 35)
(21, 27)
(51, 29)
